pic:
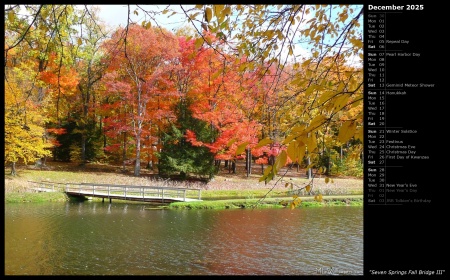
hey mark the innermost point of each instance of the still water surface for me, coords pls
(94, 238)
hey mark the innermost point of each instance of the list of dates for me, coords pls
(398, 88)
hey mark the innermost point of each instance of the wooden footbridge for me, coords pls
(122, 192)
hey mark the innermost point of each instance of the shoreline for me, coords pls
(218, 203)
(223, 192)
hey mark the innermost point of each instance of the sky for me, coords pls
(116, 15)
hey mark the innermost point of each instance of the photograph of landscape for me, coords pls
(184, 139)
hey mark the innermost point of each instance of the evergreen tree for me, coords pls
(179, 158)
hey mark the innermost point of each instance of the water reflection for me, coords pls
(92, 238)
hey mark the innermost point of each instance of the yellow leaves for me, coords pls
(343, 16)
(317, 39)
(308, 188)
(231, 142)
(311, 142)
(268, 34)
(272, 170)
(198, 43)
(11, 16)
(326, 96)
(217, 74)
(322, 170)
(280, 161)
(23, 135)
(208, 14)
(318, 198)
(347, 131)
(306, 62)
(218, 9)
(264, 142)
(280, 35)
(240, 149)
(356, 42)
(296, 151)
(292, 19)
(310, 89)
(316, 122)
(221, 11)
(327, 180)
(226, 11)
(340, 102)
(268, 174)
(295, 202)
(359, 134)
(146, 24)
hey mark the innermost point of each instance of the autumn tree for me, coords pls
(142, 59)
(40, 36)
(90, 67)
(24, 123)
(332, 34)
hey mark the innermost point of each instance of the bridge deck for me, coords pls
(122, 192)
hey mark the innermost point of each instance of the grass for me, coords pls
(225, 191)
(356, 200)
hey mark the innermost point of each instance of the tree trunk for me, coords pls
(124, 151)
(83, 148)
(13, 169)
(248, 162)
(309, 171)
(137, 166)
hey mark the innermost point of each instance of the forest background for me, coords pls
(229, 88)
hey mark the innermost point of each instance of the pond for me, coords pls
(95, 238)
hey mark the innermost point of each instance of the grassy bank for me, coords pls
(349, 200)
(225, 191)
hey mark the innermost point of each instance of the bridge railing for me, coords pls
(132, 191)
(48, 186)
(118, 190)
